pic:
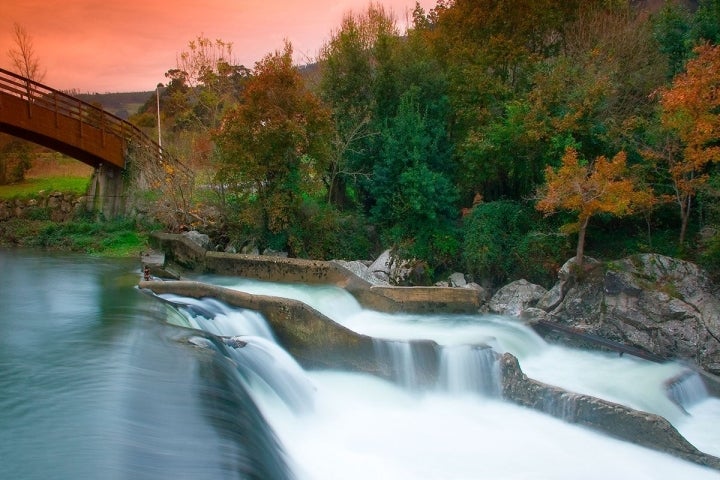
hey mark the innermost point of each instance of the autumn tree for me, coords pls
(272, 148)
(590, 189)
(690, 109)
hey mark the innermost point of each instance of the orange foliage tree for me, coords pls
(588, 189)
(691, 108)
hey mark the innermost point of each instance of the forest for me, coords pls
(492, 137)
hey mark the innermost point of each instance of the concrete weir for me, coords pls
(181, 253)
(318, 342)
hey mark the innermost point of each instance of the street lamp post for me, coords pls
(157, 90)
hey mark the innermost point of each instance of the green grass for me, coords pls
(116, 238)
(33, 187)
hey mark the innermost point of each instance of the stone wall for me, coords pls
(56, 206)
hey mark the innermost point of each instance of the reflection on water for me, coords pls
(94, 385)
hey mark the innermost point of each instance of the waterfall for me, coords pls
(687, 389)
(470, 368)
(357, 427)
(212, 316)
(451, 368)
(249, 342)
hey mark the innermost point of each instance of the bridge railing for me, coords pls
(37, 94)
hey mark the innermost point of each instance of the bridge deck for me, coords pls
(54, 119)
(63, 133)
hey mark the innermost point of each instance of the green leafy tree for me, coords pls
(414, 198)
(671, 30)
(506, 240)
(273, 148)
(354, 87)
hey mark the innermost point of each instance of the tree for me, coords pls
(353, 83)
(414, 197)
(588, 190)
(23, 56)
(690, 109)
(26, 63)
(273, 147)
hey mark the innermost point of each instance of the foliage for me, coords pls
(690, 109)
(355, 66)
(589, 190)
(414, 197)
(505, 240)
(324, 233)
(272, 147)
(117, 238)
(14, 161)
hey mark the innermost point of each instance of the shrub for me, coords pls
(505, 240)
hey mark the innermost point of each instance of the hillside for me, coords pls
(121, 104)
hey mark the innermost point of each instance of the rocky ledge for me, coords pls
(664, 307)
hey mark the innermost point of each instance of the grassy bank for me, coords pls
(33, 186)
(52, 172)
(117, 238)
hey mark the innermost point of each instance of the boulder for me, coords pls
(619, 421)
(664, 306)
(200, 239)
(457, 279)
(381, 267)
(515, 297)
(395, 270)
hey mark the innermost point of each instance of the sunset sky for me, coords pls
(128, 45)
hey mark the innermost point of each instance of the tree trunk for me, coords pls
(684, 216)
(579, 253)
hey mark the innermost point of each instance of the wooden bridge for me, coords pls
(45, 116)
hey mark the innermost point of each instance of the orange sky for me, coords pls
(120, 46)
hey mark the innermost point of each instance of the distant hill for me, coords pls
(121, 104)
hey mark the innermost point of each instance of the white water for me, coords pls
(362, 427)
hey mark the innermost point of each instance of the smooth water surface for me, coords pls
(94, 385)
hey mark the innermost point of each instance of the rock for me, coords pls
(484, 295)
(619, 421)
(397, 271)
(198, 238)
(661, 305)
(533, 315)
(359, 269)
(515, 297)
(250, 249)
(457, 279)
(381, 266)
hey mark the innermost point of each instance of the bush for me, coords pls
(505, 241)
(325, 233)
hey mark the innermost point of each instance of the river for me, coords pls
(98, 380)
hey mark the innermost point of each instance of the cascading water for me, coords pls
(687, 390)
(469, 368)
(362, 427)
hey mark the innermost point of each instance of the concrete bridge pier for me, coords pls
(106, 192)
